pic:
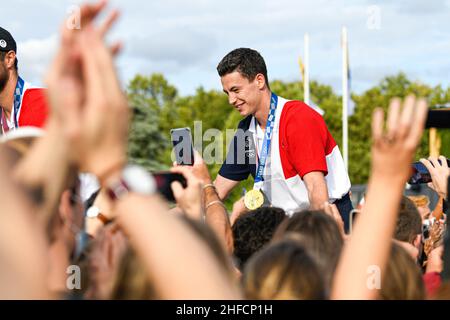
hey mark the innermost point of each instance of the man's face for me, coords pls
(243, 94)
(4, 74)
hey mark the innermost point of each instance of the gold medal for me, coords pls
(254, 199)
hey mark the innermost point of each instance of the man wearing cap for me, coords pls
(21, 104)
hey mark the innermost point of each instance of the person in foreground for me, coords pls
(393, 150)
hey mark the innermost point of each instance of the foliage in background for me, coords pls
(157, 108)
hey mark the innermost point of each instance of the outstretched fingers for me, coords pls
(444, 163)
(108, 23)
(377, 125)
(393, 117)
(406, 117)
(91, 67)
(404, 124)
(417, 125)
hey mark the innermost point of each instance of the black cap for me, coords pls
(7, 42)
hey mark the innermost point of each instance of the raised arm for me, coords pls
(317, 189)
(207, 200)
(23, 267)
(177, 261)
(47, 164)
(99, 138)
(392, 153)
(224, 186)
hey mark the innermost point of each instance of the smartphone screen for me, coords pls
(182, 145)
(420, 173)
(426, 229)
(163, 181)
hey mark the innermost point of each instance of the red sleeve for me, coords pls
(306, 135)
(432, 281)
(34, 109)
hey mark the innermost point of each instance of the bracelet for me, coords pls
(213, 203)
(209, 185)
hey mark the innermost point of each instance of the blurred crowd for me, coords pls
(125, 241)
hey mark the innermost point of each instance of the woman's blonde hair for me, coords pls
(283, 270)
(320, 236)
(403, 279)
(132, 282)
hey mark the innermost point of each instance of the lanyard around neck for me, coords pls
(18, 100)
(267, 141)
(18, 91)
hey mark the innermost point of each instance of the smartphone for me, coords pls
(426, 225)
(353, 217)
(163, 181)
(420, 173)
(438, 118)
(182, 145)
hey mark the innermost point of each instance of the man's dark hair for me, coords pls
(253, 230)
(409, 221)
(248, 62)
(2, 58)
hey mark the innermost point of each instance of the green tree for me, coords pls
(360, 121)
(157, 108)
(152, 100)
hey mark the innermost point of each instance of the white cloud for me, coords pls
(419, 7)
(34, 57)
(180, 48)
(186, 39)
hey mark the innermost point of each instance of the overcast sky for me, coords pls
(185, 39)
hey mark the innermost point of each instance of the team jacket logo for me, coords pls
(249, 150)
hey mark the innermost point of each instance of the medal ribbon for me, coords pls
(17, 104)
(18, 100)
(266, 142)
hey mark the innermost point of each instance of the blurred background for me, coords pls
(171, 49)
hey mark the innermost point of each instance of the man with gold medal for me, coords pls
(284, 144)
(255, 198)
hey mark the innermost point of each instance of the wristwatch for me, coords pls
(133, 179)
(94, 213)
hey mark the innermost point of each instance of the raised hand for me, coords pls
(392, 154)
(393, 149)
(439, 174)
(190, 199)
(84, 92)
(102, 139)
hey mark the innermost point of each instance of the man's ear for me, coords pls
(10, 60)
(260, 81)
(65, 207)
